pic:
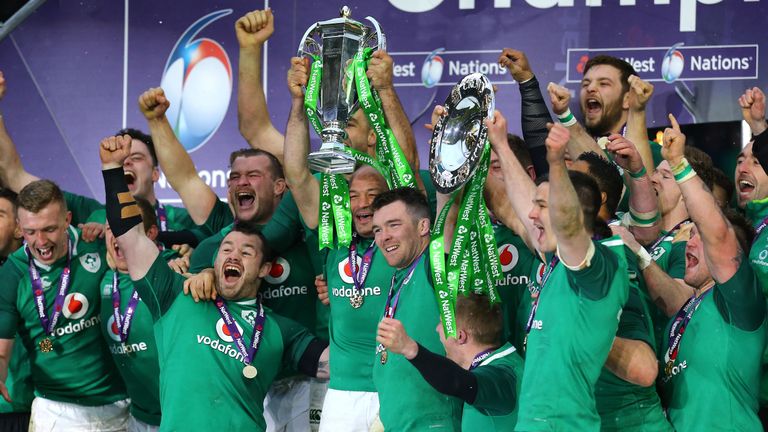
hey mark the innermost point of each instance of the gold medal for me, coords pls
(356, 300)
(250, 372)
(668, 369)
(384, 357)
(46, 345)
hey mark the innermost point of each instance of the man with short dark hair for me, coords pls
(401, 227)
(52, 300)
(478, 367)
(247, 360)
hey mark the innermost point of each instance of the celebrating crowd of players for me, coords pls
(633, 295)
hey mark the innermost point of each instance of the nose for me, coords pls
(40, 237)
(534, 213)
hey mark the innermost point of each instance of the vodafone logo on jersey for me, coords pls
(280, 271)
(345, 270)
(223, 331)
(75, 306)
(197, 80)
(508, 257)
(112, 330)
(540, 273)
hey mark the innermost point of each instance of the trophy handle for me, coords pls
(381, 38)
(308, 45)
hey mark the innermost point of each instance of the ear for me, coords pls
(372, 139)
(279, 187)
(603, 198)
(155, 174)
(153, 232)
(531, 172)
(69, 217)
(423, 227)
(462, 337)
(265, 268)
(625, 100)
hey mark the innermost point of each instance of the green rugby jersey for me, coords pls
(353, 331)
(575, 324)
(498, 386)
(516, 261)
(18, 381)
(406, 401)
(756, 211)
(136, 359)
(669, 255)
(536, 271)
(624, 406)
(289, 288)
(714, 383)
(82, 207)
(202, 386)
(79, 370)
(177, 219)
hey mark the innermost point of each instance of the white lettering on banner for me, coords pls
(687, 7)
(213, 178)
(407, 70)
(76, 327)
(718, 63)
(645, 65)
(221, 347)
(127, 349)
(461, 68)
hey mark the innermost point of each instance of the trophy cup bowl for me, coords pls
(336, 42)
(458, 139)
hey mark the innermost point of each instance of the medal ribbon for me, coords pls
(550, 268)
(661, 238)
(37, 290)
(480, 357)
(359, 274)
(162, 217)
(123, 322)
(760, 228)
(678, 327)
(393, 298)
(388, 150)
(249, 353)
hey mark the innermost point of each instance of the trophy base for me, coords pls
(331, 161)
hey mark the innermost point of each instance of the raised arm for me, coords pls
(573, 240)
(519, 187)
(752, 104)
(12, 172)
(639, 94)
(253, 30)
(581, 141)
(534, 112)
(304, 186)
(123, 214)
(6, 350)
(721, 247)
(643, 202)
(380, 74)
(198, 197)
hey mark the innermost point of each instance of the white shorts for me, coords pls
(136, 425)
(49, 416)
(349, 411)
(294, 404)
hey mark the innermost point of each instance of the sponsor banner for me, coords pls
(679, 62)
(446, 68)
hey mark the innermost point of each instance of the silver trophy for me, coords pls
(458, 139)
(337, 41)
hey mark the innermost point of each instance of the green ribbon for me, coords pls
(473, 262)
(313, 94)
(388, 150)
(334, 211)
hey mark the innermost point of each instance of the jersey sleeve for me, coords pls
(296, 339)
(284, 229)
(159, 287)
(204, 255)
(11, 276)
(496, 389)
(595, 281)
(82, 208)
(740, 299)
(220, 217)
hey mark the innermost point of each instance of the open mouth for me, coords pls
(245, 199)
(45, 253)
(593, 106)
(231, 273)
(746, 187)
(691, 260)
(118, 251)
(130, 178)
(363, 216)
(391, 248)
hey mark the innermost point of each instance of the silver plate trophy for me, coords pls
(336, 41)
(459, 136)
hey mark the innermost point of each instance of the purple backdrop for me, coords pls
(71, 80)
